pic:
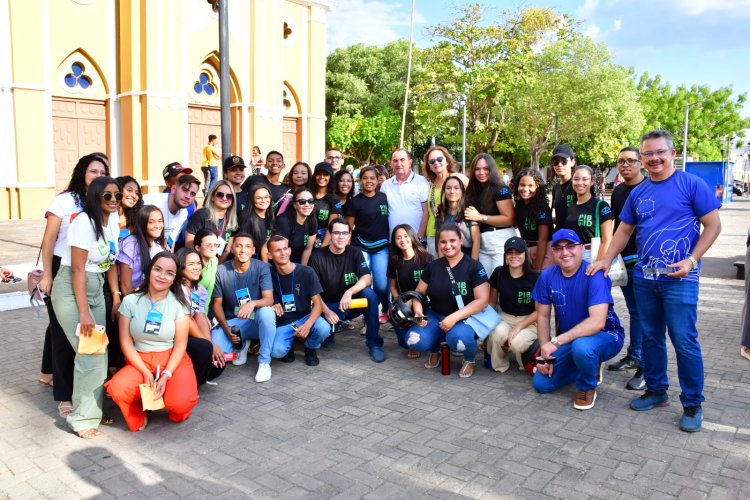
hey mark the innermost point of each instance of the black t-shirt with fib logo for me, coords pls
(303, 284)
(323, 210)
(408, 275)
(337, 273)
(370, 214)
(514, 294)
(528, 225)
(468, 274)
(563, 196)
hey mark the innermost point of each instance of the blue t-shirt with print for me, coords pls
(666, 215)
(573, 296)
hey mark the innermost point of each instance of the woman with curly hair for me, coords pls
(344, 187)
(57, 356)
(132, 200)
(490, 203)
(534, 217)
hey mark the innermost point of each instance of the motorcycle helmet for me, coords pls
(400, 313)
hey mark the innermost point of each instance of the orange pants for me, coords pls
(180, 395)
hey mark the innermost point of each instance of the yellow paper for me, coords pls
(147, 398)
(95, 344)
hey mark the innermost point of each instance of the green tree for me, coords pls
(715, 115)
(480, 60)
(594, 101)
(365, 88)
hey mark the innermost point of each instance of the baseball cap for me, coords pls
(563, 151)
(175, 168)
(515, 243)
(233, 161)
(565, 234)
(324, 166)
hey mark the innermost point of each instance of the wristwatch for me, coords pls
(555, 342)
(484, 218)
(692, 261)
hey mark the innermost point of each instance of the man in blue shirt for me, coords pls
(588, 330)
(668, 209)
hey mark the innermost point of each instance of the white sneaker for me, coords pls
(264, 373)
(242, 355)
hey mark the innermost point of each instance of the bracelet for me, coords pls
(692, 261)
(167, 373)
(118, 292)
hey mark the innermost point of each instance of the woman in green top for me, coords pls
(437, 166)
(206, 243)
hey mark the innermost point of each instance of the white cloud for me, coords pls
(617, 24)
(370, 22)
(698, 7)
(592, 31)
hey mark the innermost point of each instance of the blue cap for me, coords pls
(565, 234)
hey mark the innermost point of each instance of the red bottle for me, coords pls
(446, 359)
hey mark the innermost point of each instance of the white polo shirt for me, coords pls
(173, 223)
(405, 200)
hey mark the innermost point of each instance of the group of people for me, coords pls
(269, 262)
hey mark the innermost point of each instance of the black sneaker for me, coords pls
(636, 383)
(288, 357)
(625, 363)
(311, 357)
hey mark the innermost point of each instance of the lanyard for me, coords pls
(247, 280)
(454, 287)
(278, 280)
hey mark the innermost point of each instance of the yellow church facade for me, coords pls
(139, 80)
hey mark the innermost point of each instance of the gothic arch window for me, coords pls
(205, 85)
(78, 75)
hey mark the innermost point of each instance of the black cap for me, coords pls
(515, 243)
(323, 167)
(563, 151)
(175, 168)
(233, 161)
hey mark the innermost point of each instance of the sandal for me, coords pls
(106, 420)
(64, 409)
(89, 433)
(467, 369)
(412, 354)
(45, 379)
(433, 361)
(745, 352)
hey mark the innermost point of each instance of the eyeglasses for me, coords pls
(306, 201)
(331, 158)
(340, 233)
(107, 196)
(559, 161)
(224, 196)
(163, 272)
(651, 154)
(562, 248)
(439, 159)
(628, 161)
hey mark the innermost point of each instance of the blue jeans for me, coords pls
(672, 306)
(401, 334)
(378, 264)
(262, 328)
(372, 335)
(285, 336)
(460, 338)
(579, 361)
(635, 349)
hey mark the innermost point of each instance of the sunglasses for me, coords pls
(306, 201)
(542, 361)
(107, 196)
(439, 159)
(224, 196)
(559, 161)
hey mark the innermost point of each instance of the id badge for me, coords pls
(459, 301)
(195, 301)
(222, 243)
(288, 302)
(153, 323)
(243, 297)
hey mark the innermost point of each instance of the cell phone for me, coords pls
(295, 326)
(545, 361)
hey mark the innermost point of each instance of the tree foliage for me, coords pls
(714, 114)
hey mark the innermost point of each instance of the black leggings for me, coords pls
(200, 352)
(61, 352)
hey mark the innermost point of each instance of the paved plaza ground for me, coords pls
(351, 428)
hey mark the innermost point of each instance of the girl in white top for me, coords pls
(79, 300)
(57, 358)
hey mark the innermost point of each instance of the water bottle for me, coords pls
(445, 352)
(236, 331)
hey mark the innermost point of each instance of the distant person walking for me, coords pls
(210, 164)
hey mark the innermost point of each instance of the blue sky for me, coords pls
(686, 41)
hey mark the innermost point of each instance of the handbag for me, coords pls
(596, 241)
(36, 297)
(617, 272)
(482, 322)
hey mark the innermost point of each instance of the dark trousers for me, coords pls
(114, 351)
(61, 352)
(200, 352)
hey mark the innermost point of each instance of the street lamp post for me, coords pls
(463, 135)
(685, 132)
(226, 121)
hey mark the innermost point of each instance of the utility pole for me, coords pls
(222, 6)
